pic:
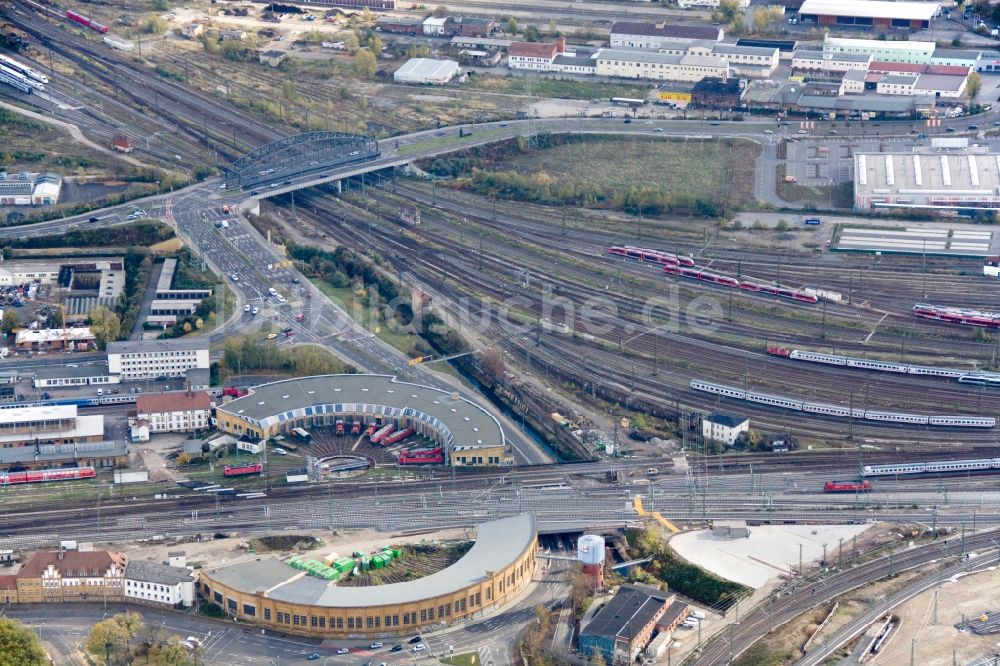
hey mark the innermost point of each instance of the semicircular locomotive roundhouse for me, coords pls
(468, 434)
(270, 593)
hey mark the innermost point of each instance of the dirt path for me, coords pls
(75, 132)
(937, 640)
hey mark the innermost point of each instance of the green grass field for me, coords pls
(723, 169)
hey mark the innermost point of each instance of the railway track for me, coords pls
(776, 611)
(182, 106)
(906, 287)
(478, 276)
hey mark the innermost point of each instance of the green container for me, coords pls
(397, 553)
(378, 562)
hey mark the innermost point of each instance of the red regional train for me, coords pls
(84, 21)
(652, 256)
(695, 273)
(43, 475)
(958, 315)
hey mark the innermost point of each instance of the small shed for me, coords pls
(272, 57)
(731, 529)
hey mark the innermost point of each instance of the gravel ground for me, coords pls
(771, 551)
(938, 642)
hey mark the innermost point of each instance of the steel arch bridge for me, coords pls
(297, 155)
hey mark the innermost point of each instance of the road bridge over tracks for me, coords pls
(305, 160)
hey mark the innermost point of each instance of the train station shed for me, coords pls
(427, 71)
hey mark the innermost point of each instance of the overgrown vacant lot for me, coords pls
(641, 173)
(28, 144)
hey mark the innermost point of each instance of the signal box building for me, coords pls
(724, 428)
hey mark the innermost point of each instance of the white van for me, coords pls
(100, 391)
(272, 291)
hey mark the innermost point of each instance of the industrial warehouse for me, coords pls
(945, 181)
(276, 594)
(879, 14)
(469, 435)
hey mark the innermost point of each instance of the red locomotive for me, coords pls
(847, 487)
(243, 470)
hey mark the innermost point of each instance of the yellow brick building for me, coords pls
(272, 594)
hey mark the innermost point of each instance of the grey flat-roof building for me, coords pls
(946, 181)
(145, 359)
(53, 376)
